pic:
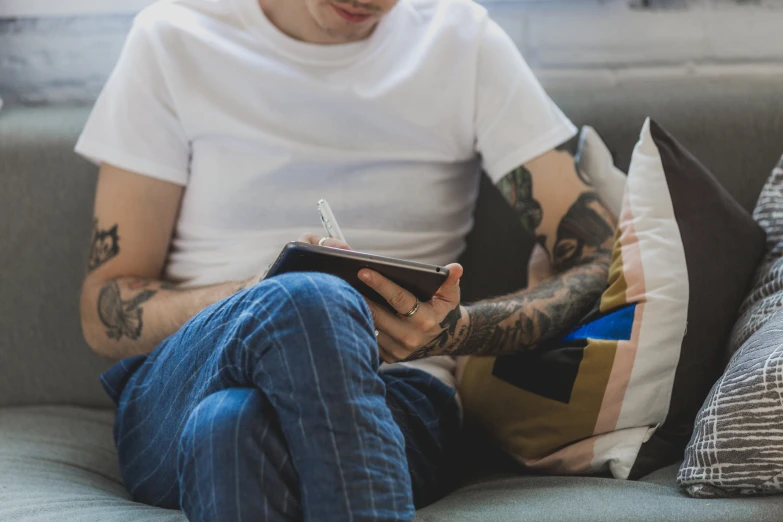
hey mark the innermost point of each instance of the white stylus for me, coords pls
(329, 222)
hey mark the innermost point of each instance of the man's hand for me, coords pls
(436, 327)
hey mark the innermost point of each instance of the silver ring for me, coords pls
(414, 309)
(322, 241)
(377, 333)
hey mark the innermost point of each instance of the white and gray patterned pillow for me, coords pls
(766, 295)
(737, 444)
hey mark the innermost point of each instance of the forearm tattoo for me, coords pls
(122, 318)
(105, 245)
(506, 325)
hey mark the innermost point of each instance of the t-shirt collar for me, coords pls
(315, 54)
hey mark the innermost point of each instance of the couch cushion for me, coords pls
(59, 463)
(586, 499)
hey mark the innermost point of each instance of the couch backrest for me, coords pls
(46, 198)
(735, 126)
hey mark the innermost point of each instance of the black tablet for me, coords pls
(420, 279)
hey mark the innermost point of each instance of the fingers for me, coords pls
(387, 322)
(336, 243)
(400, 336)
(314, 239)
(449, 290)
(400, 299)
(390, 350)
(385, 356)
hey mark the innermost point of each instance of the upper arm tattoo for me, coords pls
(585, 228)
(517, 188)
(104, 246)
(121, 318)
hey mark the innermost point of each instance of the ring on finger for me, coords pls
(413, 310)
(322, 241)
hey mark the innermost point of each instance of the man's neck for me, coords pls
(294, 19)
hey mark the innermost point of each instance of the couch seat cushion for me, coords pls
(655, 498)
(59, 464)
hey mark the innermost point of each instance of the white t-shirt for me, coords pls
(210, 95)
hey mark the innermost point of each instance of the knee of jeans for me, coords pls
(314, 295)
(311, 314)
(216, 425)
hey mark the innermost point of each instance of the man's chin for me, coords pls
(351, 34)
(340, 29)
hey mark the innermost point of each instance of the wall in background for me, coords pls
(67, 59)
(53, 60)
(611, 41)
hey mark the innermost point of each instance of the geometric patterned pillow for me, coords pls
(620, 392)
(766, 296)
(737, 444)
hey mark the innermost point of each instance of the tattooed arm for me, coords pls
(128, 316)
(575, 228)
(125, 308)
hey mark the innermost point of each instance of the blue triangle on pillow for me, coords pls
(614, 326)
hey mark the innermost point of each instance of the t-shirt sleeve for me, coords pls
(516, 120)
(134, 124)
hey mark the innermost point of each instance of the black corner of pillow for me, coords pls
(723, 245)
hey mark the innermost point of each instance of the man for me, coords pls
(221, 126)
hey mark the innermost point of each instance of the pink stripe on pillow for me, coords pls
(633, 272)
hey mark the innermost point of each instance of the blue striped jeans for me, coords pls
(269, 406)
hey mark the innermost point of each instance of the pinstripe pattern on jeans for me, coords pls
(315, 436)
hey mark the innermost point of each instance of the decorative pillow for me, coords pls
(766, 297)
(620, 392)
(737, 445)
(596, 163)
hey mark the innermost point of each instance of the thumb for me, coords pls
(449, 290)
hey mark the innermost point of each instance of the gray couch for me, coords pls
(57, 459)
